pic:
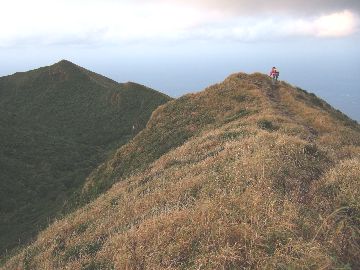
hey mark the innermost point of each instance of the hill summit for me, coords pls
(57, 124)
(243, 175)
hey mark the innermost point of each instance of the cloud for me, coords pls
(91, 22)
(246, 7)
(109, 21)
(334, 25)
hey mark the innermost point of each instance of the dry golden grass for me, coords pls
(274, 189)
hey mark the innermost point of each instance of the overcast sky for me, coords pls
(181, 46)
(103, 22)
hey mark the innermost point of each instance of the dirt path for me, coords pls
(271, 91)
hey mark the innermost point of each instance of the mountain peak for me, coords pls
(65, 66)
(61, 121)
(64, 62)
(254, 77)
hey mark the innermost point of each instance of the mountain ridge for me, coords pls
(243, 175)
(267, 91)
(58, 123)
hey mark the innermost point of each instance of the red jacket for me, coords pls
(273, 72)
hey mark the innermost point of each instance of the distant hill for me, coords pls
(243, 175)
(57, 124)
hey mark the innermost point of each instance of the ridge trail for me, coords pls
(271, 91)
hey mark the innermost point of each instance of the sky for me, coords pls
(184, 46)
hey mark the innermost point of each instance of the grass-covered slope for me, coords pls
(57, 124)
(170, 126)
(240, 176)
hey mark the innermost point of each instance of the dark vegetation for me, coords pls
(57, 124)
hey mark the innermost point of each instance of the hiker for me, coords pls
(274, 74)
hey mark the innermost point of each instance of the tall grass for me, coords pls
(235, 194)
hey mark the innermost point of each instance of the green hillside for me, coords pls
(57, 124)
(242, 175)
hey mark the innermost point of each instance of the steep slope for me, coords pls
(242, 175)
(57, 124)
(172, 124)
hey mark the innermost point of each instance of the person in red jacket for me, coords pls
(274, 74)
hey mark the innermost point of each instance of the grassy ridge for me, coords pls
(264, 178)
(57, 124)
(169, 127)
